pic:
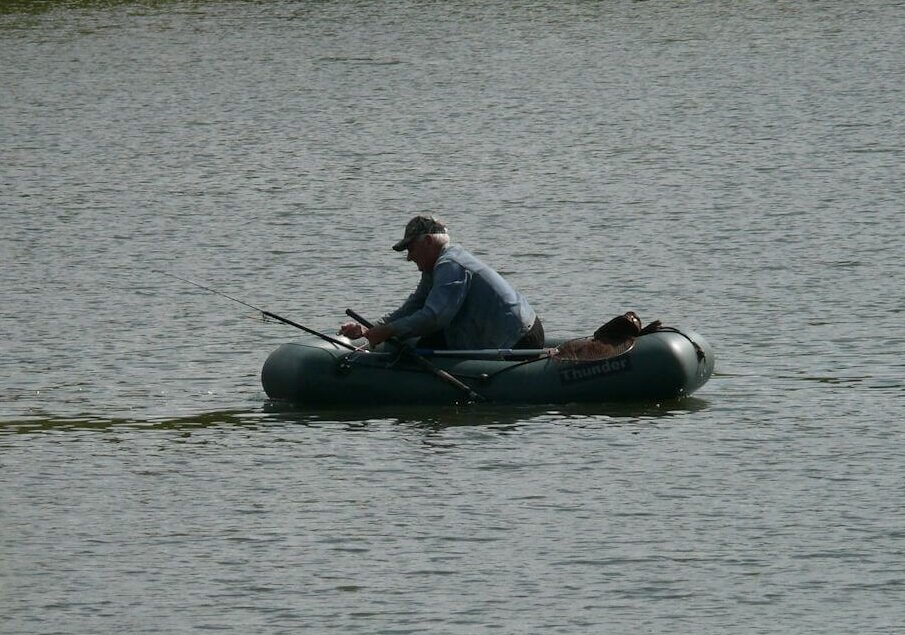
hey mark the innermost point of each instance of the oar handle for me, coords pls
(364, 322)
(426, 365)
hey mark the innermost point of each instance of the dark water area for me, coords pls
(734, 168)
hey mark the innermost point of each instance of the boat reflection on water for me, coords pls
(277, 413)
(486, 414)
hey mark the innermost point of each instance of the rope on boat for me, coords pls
(485, 377)
(697, 348)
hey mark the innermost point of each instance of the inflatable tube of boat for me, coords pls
(660, 365)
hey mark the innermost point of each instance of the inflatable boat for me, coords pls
(667, 364)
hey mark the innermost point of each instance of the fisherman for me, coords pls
(460, 303)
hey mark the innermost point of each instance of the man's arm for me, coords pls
(451, 282)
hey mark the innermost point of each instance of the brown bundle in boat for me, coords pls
(612, 339)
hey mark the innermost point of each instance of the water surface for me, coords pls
(734, 168)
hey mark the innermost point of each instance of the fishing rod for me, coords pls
(276, 317)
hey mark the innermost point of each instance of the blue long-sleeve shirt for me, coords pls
(471, 303)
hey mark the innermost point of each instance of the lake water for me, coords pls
(731, 167)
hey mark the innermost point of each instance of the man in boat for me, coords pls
(460, 303)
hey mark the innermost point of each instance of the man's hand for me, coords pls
(378, 334)
(352, 330)
(375, 335)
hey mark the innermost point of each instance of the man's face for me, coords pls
(421, 252)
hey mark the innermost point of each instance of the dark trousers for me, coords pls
(534, 338)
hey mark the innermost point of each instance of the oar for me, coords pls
(487, 353)
(276, 317)
(423, 363)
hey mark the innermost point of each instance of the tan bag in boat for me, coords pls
(612, 339)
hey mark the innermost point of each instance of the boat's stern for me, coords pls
(698, 364)
(686, 366)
